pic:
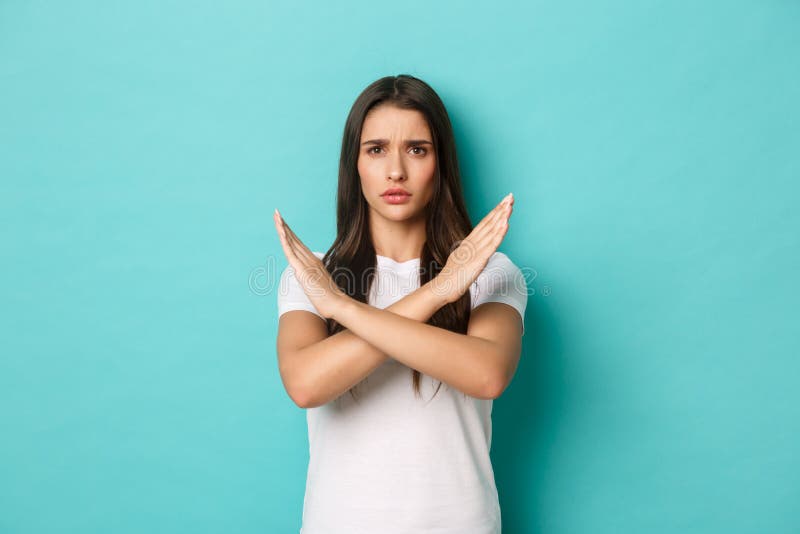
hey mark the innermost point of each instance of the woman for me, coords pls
(408, 298)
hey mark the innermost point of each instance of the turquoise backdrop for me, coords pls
(653, 151)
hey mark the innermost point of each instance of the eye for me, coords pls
(370, 149)
(424, 150)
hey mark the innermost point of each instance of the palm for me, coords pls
(309, 270)
(469, 259)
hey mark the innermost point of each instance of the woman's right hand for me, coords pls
(469, 259)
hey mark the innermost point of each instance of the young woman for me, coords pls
(397, 339)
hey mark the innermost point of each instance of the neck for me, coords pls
(398, 240)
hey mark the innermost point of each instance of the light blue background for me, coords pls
(653, 151)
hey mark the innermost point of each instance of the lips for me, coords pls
(395, 191)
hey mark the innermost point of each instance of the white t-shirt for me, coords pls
(390, 462)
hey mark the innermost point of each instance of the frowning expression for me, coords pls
(396, 152)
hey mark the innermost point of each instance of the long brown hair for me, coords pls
(447, 220)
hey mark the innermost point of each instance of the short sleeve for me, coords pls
(291, 295)
(501, 281)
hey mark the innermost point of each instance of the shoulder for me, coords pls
(288, 271)
(288, 281)
(499, 267)
(500, 260)
(500, 281)
(291, 295)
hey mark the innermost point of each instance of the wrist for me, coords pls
(439, 290)
(343, 308)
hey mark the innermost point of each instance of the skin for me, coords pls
(480, 363)
(398, 230)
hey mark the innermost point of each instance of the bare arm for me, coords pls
(316, 368)
(478, 363)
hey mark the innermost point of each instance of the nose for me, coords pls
(396, 170)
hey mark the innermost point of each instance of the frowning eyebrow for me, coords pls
(409, 142)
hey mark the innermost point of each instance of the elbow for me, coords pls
(494, 388)
(302, 391)
(307, 400)
(302, 395)
(298, 390)
(305, 395)
(496, 382)
(299, 397)
(499, 376)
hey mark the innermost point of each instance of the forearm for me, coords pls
(467, 363)
(338, 362)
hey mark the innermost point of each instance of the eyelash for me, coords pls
(424, 150)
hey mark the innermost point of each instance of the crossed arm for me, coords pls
(317, 368)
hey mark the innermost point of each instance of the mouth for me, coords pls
(395, 191)
(396, 196)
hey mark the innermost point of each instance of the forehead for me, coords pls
(389, 121)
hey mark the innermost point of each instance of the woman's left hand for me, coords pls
(309, 270)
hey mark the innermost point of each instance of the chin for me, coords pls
(399, 213)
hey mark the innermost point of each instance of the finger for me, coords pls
(500, 231)
(281, 232)
(291, 238)
(296, 241)
(286, 242)
(300, 248)
(500, 236)
(489, 216)
(475, 244)
(305, 261)
(488, 226)
(498, 226)
(290, 233)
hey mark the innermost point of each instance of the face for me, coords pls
(396, 151)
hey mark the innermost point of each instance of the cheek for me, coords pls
(363, 173)
(429, 187)
(429, 172)
(365, 170)
(430, 167)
